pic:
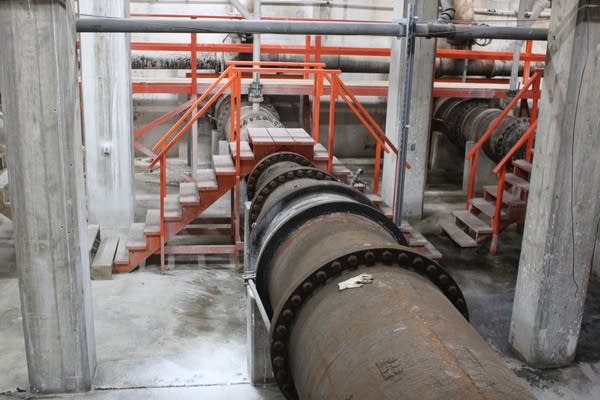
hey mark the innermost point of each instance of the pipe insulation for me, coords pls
(355, 314)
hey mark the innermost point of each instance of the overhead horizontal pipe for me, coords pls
(392, 29)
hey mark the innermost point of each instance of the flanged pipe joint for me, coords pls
(355, 313)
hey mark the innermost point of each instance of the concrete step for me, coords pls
(508, 198)
(207, 180)
(136, 239)
(432, 252)
(522, 165)
(245, 150)
(320, 153)
(172, 208)
(459, 236)
(301, 137)
(487, 207)
(152, 225)
(375, 199)
(188, 194)
(415, 239)
(223, 165)
(472, 222)
(517, 181)
(103, 262)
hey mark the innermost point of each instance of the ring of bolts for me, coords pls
(290, 175)
(402, 258)
(270, 160)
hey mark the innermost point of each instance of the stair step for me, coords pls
(474, 223)
(172, 208)
(487, 207)
(522, 165)
(517, 181)
(223, 165)
(415, 239)
(245, 150)
(281, 136)
(101, 268)
(188, 193)
(508, 198)
(432, 252)
(301, 137)
(207, 179)
(136, 240)
(152, 225)
(339, 169)
(320, 153)
(375, 199)
(122, 254)
(459, 236)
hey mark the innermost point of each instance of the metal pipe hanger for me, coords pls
(392, 29)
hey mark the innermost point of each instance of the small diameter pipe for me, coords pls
(143, 25)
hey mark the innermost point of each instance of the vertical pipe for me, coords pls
(193, 157)
(403, 121)
(514, 74)
(256, 51)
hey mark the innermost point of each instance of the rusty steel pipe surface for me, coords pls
(402, 333)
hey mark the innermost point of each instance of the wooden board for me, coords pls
(459, 236)
(102, 265)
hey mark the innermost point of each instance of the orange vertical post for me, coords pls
(377, 170)
(331, 137)
(316, 111)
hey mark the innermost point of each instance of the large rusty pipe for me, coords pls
(400, 333)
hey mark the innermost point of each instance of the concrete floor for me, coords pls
(183, 335)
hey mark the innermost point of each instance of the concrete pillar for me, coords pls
(420, 113)
(107, 119)
(563, 213)
(38, 80)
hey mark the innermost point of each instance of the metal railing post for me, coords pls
(163, 194)
(331, 137)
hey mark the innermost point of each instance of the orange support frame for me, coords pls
(231, 80)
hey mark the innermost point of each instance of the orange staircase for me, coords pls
(505, 203)
(176, 212)
(194, 197)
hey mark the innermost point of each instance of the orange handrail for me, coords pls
(194, 105)
(473, 154)
(488, 133)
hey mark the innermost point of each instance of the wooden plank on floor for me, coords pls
(459, 236)
(103, 262)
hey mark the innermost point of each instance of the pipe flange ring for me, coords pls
(401, 257)
(267, 188)
(269, 160)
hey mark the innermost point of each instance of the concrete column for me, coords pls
(107, 117)
(420, 113)
(563, 213)
(38, 80)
